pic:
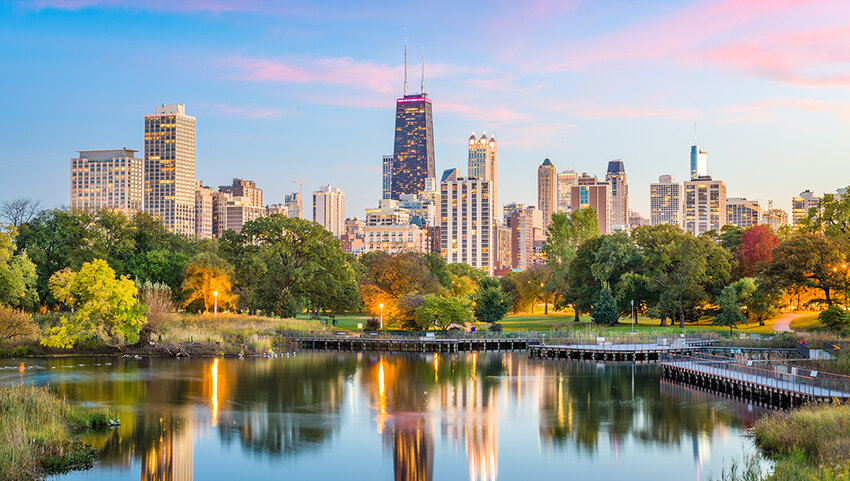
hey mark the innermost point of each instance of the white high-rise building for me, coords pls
(329, 209)
(801, 204)
(482, 163)
(704, 205)
(467, 228)
(699, 162)
(107, 179)
(743, 213)
(170, 168)
(665, 201)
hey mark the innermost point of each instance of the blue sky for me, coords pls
(285, 90)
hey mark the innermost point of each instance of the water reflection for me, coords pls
(315, 415)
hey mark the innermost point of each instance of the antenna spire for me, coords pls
(695, 133)
(405, 65)
(423, 70)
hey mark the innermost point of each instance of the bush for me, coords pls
(605, 308)
(833, 318)
(15, 323)
(495, 327)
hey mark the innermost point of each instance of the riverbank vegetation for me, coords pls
(39, 433)
(102, 280)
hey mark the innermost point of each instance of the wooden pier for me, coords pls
(774, 385)
(611, 352)
(421, 344)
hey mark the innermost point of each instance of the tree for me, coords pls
(19, 211)
(389, 277)
(758, 298)
(830, 217)
(730, 309)
(808, 260)
(756, 247)
(566, 233)
(730, 237)
(283, 264)
(442, 312)
(160, 266)
(207, 275)
(605, 308)
(15, 323)
(105, 307)
(17, 275)
(834, 318)
(490, 304)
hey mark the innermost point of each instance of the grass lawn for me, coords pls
(808, 323)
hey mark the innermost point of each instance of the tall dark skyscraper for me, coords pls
(413, 151)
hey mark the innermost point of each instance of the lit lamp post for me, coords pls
(215, 297)
(381, 305)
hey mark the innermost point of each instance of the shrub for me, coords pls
(833, 318)
(15, 323)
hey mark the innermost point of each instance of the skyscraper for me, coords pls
(482, 163)
(170, 168)
(413, 151)
(107, 179)
(466, 226)
(616, 177)
(547, 190)
(704, 205)
(699, 162)
(329, 209)
(566, 180)
(665, 201)
(387, 176)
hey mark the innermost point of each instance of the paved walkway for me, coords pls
(783, 324)
(791, 386)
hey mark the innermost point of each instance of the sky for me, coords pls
(286, 90)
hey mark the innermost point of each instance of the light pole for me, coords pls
(381, 305)
(215, 296)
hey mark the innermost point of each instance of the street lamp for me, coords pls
(215, 296)
(381, 305)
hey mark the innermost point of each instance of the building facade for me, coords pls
(704, 206)
(699, 162)
(219, 213)
(482, 163)
(240, 210)
(743, 213)
(413, 149)
(247, 189)
(590, 193)
(547, 190)
(566, 180)
(466, 225)
(295, 204)
(616, 178)
(203, 211)
(801, 204)
(775, 218)
(665, 201)
(395, 239)
(170, 168)
(329, 209)
(387, 176)
(108, 179)
(509, 209)
(522, 225)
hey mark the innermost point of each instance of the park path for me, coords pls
(783, 324)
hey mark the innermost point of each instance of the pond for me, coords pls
(368, 416)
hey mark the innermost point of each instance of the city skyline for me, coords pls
(284, 99)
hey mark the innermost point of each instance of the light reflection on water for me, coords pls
(371, 416)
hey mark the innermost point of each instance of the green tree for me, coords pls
(605, 308)
(442, 312)
(831, 217)
(17, 275)
(15, 323)
(730, 309)
(105, 307)
(160, 266)
(490, 304)
(834, 318)
(284, 263)
(730, 238)
(565, 234)
(809, 260)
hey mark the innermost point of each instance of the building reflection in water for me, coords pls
(170, 456)
(214, 392)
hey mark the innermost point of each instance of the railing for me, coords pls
(409, 336)
(780, 376)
